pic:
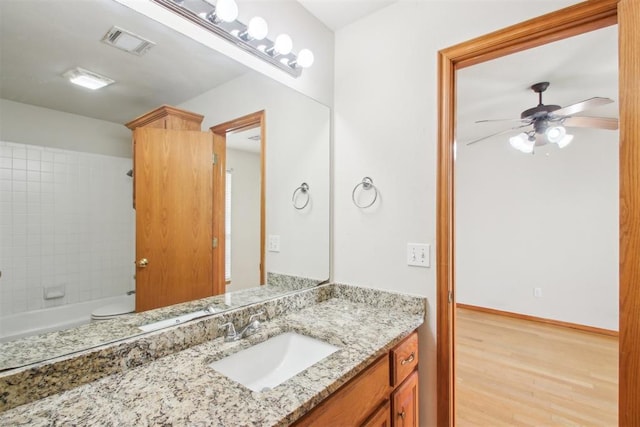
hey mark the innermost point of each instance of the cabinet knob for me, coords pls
(402, 414)
(143, 263)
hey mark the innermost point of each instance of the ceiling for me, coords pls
(336, 14)
(578, 68)
(41, 39)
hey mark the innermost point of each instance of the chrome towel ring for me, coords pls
(303, 189)
(366, 184)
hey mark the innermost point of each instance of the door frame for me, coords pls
(250, 121)
(567, 22)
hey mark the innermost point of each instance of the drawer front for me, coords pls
(352, 404)
(404, 359)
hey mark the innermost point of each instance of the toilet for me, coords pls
(125, 305)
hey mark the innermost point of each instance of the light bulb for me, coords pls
(565, 141)
(257, 28)
(555, 134)
(283, 44)
(305, 58)
(227, 10)
(522, 142)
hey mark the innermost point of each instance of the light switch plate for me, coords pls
(274, 243)
(419, 254)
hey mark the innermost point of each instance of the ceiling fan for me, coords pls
(548, 122)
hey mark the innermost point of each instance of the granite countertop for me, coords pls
(37, 348)
(181, 389)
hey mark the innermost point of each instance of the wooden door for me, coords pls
(405, 403)
(174, 216)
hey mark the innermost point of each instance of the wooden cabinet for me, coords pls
(385, 394)
(173, 198)
(352, 404)
(381, 417)
(404, 403)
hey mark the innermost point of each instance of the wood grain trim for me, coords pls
(445, 318)
(558, 25)
(218, 195)
(629, 87)
(250, 121)
(553, 322)
(567, 22)
(162, 112)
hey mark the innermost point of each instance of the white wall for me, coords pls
(65, 221)
(245, 219)
(282, 16)
(29, 124)
(385, 127)
(65, 207)
(297, 145)
(546, 221)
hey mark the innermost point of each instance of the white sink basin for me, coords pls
(272, 362)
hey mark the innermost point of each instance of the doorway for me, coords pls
(565, 23)
(248, 135)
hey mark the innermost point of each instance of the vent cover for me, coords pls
(127, 41)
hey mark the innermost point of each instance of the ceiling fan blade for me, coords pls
(497, 133)
(582, 105)
(503, 120)
(591, 122)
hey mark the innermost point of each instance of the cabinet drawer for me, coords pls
(404, 359)
(355, 401)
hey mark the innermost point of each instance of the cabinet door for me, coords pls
(174, 216)
(405, 403)
(380, 418)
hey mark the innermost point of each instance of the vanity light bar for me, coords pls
(236, 33)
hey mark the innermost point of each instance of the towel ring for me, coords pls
(304, 189)
(366, 184)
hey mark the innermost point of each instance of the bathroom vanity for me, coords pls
(383, 394)
(370, 379)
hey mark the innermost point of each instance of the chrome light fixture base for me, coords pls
(234, 32)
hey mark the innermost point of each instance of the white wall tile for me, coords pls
(69, 221)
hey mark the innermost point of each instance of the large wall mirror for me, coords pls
(67, 226)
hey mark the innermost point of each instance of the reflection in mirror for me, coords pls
(243, 264)
(67, 227)
(537, 232)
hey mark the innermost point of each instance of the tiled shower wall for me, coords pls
(66, 224)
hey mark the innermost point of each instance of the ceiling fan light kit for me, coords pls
(548, 122)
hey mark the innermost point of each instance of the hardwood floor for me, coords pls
(513, 372)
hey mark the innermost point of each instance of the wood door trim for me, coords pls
(220, 131)
(558, 25)
(553, 322)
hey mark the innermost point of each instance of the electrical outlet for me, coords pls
(419, 254)
(274, 243)
(537, 292)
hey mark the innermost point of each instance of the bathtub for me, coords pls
(51, 319)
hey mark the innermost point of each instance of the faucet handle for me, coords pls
(231, 330)
(256, 315)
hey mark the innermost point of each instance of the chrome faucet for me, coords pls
(250, 328)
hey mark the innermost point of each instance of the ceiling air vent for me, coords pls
(127, 41)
